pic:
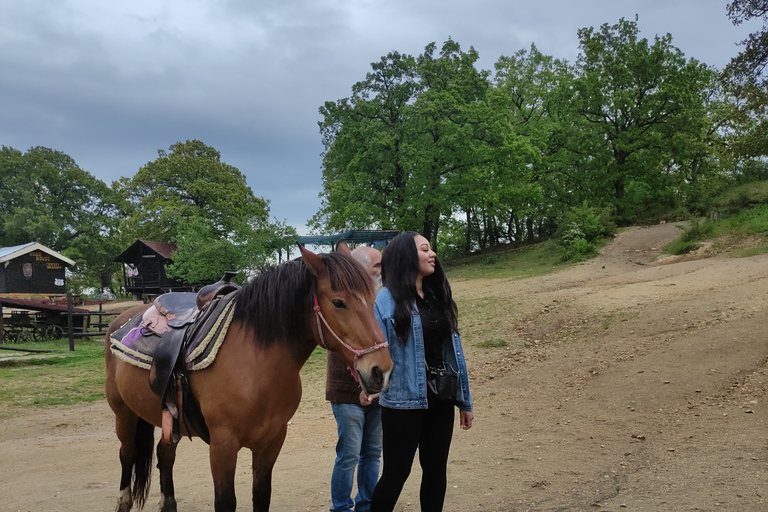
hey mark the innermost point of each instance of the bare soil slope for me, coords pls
(627, 383)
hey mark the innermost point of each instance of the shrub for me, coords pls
(594, 223)
(582, 227)
(579, 250)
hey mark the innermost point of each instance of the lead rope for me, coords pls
(358, 352)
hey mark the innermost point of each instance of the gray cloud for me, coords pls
(111, 83)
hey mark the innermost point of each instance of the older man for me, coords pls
(358, 421)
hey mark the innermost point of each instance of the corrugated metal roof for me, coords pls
(5, 251)
(10, 253)
(354, 235)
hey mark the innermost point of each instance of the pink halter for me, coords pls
(357, 352)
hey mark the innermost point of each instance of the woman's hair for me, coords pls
(399, 270)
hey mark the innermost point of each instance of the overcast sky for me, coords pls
(110, 83)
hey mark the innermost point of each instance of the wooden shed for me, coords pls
(33, 269)
(144, 265)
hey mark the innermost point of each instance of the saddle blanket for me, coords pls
(136, 341)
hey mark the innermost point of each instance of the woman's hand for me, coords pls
(465, 419)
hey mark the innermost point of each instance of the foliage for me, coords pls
(638, 97)
(592, 222)
(581, 230)
(190, 181)
(747, 222)
(750, 221)
(45, 197)
(363, 172)
(190, 197)
(734, 199)
(419, 140)
(747, 68)
(515, 262)
(434, 144)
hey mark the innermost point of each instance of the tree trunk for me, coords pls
(468, 232)
(529, 230)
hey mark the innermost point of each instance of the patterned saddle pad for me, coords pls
(136, 342)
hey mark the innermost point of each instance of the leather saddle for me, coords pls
(184, 314)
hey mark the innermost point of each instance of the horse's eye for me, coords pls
(339, 304)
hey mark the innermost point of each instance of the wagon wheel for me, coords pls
(54, 332)
(7, 336)
(24, 336)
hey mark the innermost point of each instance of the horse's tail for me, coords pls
(142, 467)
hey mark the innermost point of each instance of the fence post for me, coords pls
(70, 322)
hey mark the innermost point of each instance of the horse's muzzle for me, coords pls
(374, 380)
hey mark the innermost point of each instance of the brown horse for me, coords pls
(252, 389)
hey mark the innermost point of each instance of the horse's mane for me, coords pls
(277, 302)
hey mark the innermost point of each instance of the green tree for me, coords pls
(45, 197)
(453, 137)
(747, 69)
(635, 96)
(363, 170)
(537, 90)
(187, 182)
(190, 197)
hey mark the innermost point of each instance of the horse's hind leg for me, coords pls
(166, 456)
(263, 462)
(135, 436)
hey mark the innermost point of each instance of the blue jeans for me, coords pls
(359, 445)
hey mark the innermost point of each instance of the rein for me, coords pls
(357, 352)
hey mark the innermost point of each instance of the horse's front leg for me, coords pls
(223, 455)
(166, 456)
(263, 462)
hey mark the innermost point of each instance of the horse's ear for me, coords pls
(314, 262)
(343, 248)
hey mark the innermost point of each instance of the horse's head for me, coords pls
(345, 321)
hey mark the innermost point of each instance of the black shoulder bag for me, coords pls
(443, 382)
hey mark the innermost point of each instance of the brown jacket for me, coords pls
(340, 385)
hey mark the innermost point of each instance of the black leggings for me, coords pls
(403, 430)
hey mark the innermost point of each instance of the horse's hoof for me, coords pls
(124, 502)
(167, 504)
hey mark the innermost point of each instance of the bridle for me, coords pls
(357, 352)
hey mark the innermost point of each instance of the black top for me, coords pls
(435, 326)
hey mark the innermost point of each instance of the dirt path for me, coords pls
(627, 383)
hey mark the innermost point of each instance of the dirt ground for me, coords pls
(630, 382)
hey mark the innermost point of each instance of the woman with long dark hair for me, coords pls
(418, 316)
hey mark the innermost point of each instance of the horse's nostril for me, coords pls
(377, 374)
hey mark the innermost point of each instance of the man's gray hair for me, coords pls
(361, 254)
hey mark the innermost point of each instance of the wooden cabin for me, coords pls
(33, 269)
(144, 265)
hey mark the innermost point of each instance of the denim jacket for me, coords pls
(408, 386)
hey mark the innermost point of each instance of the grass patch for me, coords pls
(751, 224)
(57, 378)
(741, 197)
(527, 261)
(493, 343)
